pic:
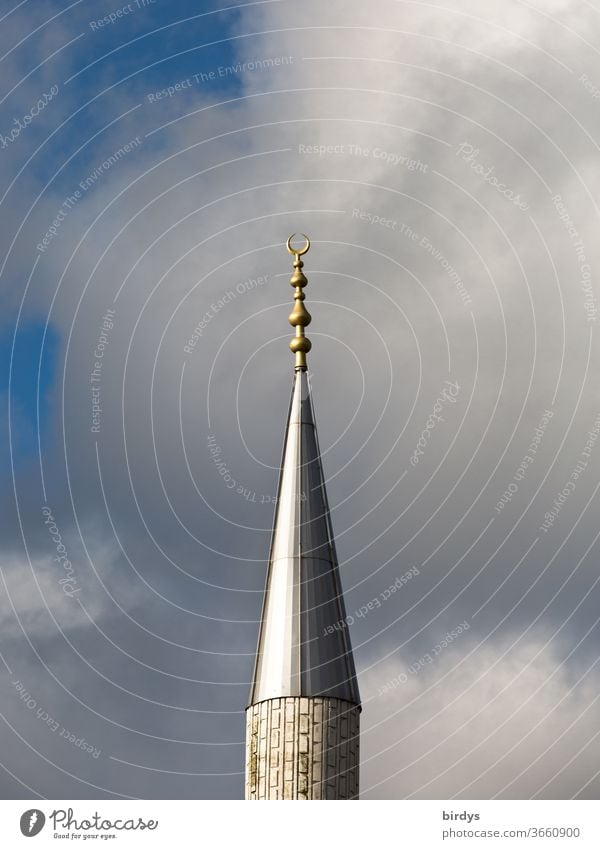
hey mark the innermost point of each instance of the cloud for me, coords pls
(351, 129)
(56, 593)
(508, 720)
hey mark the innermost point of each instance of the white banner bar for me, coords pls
(406, 825)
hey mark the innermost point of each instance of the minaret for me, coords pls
(302, 722)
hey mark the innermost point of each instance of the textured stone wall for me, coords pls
(300, 748)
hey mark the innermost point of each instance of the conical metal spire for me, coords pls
(303, 646)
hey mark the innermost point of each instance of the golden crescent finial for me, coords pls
(301, 251)
(299, 316)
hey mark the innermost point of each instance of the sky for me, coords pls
(442, 157)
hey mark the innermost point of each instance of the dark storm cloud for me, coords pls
(407, 147)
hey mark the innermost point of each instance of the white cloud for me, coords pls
(501, 722)
(61, 591)
(221, 191)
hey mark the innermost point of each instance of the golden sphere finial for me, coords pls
(299, 317)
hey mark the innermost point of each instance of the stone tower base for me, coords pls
(302, 748)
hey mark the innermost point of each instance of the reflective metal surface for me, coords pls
(304, 646)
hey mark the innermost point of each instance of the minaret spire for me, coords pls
(303, 714)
